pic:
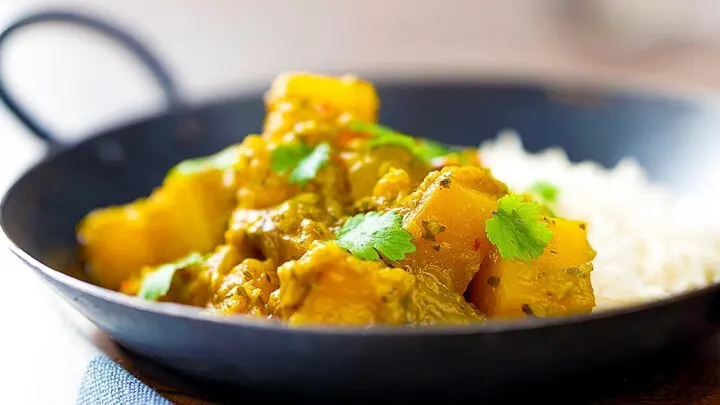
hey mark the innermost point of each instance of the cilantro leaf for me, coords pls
(517, 229)
(287, 156)
(310, 164)
(157, 283)
(394, 139)
(372, 129)
(303, 160)
(221, 160)
(424, 149)
(547, 191)
(367, 236)
(430, 149)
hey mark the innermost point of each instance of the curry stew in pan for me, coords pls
(329, 217)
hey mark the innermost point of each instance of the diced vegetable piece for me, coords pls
(219, 264)
(246, 289)
(446, 217)
(389, 192)
(187, 213)
(116, 243)
(331, 184)
(365, 168)
(258, 186)
(432, 303)
(556, 283)
(329, 286)
(345, 93)
(284, 232)
(395, 185)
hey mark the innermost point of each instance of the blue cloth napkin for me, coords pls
(106, 383)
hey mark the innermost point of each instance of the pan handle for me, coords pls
(159, 72)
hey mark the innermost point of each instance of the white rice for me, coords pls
(649, 243)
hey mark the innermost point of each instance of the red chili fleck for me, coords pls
(338, 160)
(476, 244)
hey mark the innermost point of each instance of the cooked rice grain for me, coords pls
(649, 244)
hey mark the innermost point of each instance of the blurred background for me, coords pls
(77, 82)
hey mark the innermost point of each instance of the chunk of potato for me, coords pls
(446, 217)
(187, 213)
(219, 264)
(366, 167)
(115, 243)
(329, 286)
(345, 93)
(246, 289)
(284, 232)
(432, 303)
(556, 283)
(391, 189)
(257, 185)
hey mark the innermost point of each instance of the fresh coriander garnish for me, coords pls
(221, 160)
(430, 149)
(547, 191)
(425, 149)
(287, 156)
(394, 139)
(517, 229)
(311, 164)
(369, 235)
(157, 283)
(372, 129)
(304, 161)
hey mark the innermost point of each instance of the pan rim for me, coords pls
(190, 313)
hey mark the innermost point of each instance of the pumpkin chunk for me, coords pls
(556, 283)
(329, 286)
(344, 93)
(187, 213)
(447, 220)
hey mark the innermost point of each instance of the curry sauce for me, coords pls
(329, 217)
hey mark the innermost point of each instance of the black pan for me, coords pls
(667, 135)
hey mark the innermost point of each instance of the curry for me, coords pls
(329, 217)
